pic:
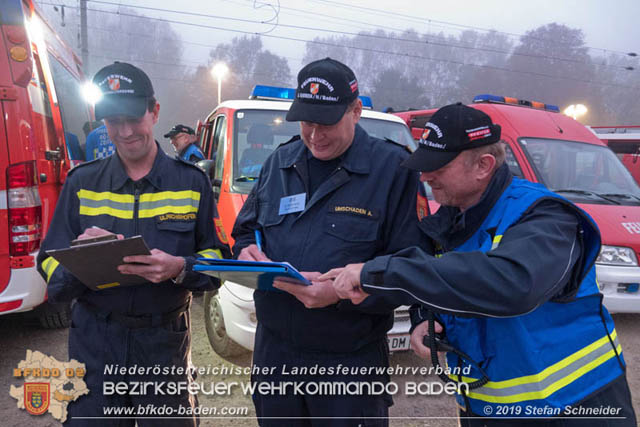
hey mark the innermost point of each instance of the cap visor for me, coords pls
(316, 113)
(170, 134)
(425, 160)
(113, 105)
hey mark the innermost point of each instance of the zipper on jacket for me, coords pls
(137, 186)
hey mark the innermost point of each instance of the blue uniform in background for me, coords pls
(365, 206)
(98, 144)
(172, 207)
(192, 153)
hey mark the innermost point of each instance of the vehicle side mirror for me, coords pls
(208, 166)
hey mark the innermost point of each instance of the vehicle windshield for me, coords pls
(259, 132)
(583, 173)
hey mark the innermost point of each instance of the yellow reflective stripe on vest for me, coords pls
(550, 380)
(177, 202)
(496, 241)
(106, 203)
(211, 253)
(49, 265)
(149, 204)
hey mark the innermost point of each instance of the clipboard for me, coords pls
(95, 263)
(252, 274)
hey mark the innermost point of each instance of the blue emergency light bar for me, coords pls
(289, 94)
(272, 92)
(487, 98)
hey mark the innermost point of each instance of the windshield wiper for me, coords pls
(623, 196)
(586, 193)
(245, 178)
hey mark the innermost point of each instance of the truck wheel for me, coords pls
(214, 322)
(54, 316)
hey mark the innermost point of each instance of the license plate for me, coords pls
(399, 342)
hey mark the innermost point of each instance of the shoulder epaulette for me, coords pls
(84, 164)
(293, 139)
(406, 147)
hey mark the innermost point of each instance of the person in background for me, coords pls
(99, 144)
(185, 142)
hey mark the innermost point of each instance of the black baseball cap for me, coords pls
(325, 89)
(179, 129)
(451, 130)
(125, 88)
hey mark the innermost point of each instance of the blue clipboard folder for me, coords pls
(252, 274)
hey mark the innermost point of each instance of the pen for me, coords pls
(258, 240)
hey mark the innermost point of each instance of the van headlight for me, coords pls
(617, 255)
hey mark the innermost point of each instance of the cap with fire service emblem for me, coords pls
(451, 130)
(125, 90)
(325, 89)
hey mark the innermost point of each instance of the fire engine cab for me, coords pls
(553, 149)
(236, 138)
(42, 117)
(625, 142)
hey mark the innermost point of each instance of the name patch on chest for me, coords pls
(177, 217)
(354, 210)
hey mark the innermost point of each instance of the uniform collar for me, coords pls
(119, 176)
(356, 159)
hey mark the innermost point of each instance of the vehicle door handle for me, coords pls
(53, 155)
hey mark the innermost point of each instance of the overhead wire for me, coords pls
(407, 55)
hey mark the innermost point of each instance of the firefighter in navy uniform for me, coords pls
(138, 191)
(331, 196)
(512, 283)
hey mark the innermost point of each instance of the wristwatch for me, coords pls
(183, 273)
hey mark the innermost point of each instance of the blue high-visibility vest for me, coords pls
(554, 356)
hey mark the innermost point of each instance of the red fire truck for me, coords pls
(625, 142)
(42, 126)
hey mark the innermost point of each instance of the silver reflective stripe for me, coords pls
(122, 206)
(553, 378)
(167, 202)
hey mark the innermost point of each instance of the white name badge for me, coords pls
(291, 204)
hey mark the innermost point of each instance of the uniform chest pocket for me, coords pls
(268, 215)
(178, 226)
(352, 228)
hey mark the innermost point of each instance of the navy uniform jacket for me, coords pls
(367, 207)
(172, 208)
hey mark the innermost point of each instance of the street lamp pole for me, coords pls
(219, 71)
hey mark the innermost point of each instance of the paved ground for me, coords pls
(19, 332)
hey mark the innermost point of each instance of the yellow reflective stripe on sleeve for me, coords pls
(49, 265)
(551, 379)
(211, 253)
(496, 241)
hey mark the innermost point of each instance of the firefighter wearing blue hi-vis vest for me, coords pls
(137, 191)
(512, 285)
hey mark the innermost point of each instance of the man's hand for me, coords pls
(417, 336)
(94, 231)
(252, 253)
(319, 294)
(347, 282)
(156, 268)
